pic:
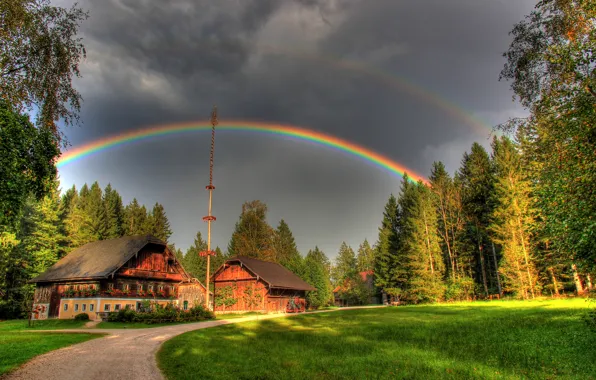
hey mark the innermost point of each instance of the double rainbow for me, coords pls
(303, 134)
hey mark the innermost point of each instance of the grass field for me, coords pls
(492, 340)
(20, 343)
(140, 325)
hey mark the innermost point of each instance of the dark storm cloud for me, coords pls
(281, 61)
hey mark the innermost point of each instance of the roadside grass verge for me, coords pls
(20, 343)
(484, 340)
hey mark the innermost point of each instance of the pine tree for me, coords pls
(159, 224)
(420, 252)
(78, 223)
(114, 212)
(135, 219)
(366, 257)
(96, 210)
(286, 250)
(316, 273)
(345, 264)
(477, 183)
(195, 264)
(512, 219)
(253, 237)
(387, 270)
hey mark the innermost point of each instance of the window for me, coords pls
(160, 288)
(76, 307)
(90, 307)
(106, 307)
(117, 307)
(110, 286)
(140, 287)
(185, 305)
(125, 287)
(84, 307)
(65, 307)
(150, 288)
(92, 287)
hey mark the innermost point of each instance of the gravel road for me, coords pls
(122, 354)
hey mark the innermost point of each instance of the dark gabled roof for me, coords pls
(276, 275)
(96, 260)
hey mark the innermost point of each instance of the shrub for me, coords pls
(156, 313)
(82, 317)
(124, 315)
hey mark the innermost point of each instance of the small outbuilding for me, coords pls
(245, 284)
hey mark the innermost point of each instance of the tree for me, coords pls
(512, 219)
(253, 237)
(78, 223)
(387, 270)
(421, 253)
(114, 212)
(475, 175)
(195, 264)
(135, 219)
(40, 55)
(551, 65)
(286, 250)
(96, 210)
(366, 257)
(345, 264)
(27, 156)
(316, 273)
(159, 226)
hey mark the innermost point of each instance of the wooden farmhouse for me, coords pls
(244, 284)
(109, 275)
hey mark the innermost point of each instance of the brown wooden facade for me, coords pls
(240, 288)
(152, 273)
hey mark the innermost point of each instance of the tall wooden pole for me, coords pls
(209, 218)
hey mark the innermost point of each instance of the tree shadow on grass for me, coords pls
(467, 344)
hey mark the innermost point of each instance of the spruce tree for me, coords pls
(512, 219)
(477, 183)
(96, 210)
(286, 250)
(159, 224)
(135, 219)
(78, 222)
(345, 264)
(386, 264)
(316, 273)
(366, 257)
(253, 237)
(114, 212)
(195, 264)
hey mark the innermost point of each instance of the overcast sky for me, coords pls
(335, 66)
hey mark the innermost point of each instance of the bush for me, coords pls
(82, 317)
(156, 313)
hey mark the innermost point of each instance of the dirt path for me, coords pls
(123, 354)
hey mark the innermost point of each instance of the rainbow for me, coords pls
(303, 134)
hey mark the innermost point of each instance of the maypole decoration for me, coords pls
(209, 218)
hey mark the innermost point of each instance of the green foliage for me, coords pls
(40, 54)
(316, 273)
(156, 313)
(136, 220)
(252, 297)
(460, 289)
(252, 236)
(366, 257)
(81, 317)
(159, 226)
(27, 157)
(114, 213)
(550, 63)
(286, 251)
(225, 296)
(387, 268)
(195, 264)
(345, 265)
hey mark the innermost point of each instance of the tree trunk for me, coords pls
(577, 280)
(497, 269)
(589, 282)
(526, 259)
(430, 256)
(555, 284)
(483, 269)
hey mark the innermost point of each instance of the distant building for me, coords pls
(368, 279)
(109, 275)
(245, 284)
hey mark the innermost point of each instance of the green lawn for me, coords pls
(20, 343)
(484, 340)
